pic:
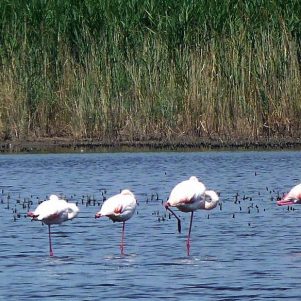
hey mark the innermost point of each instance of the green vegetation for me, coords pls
(147, 70)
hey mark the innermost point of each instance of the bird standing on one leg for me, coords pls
(189, 196)
(54, 211)
(119, 208)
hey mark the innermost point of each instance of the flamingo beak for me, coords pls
(32, 215)
(166, 205)
(97, 215)
(286, 202)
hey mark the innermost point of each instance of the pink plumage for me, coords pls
(54, 211)
(119, 208)
(188, 196)
(292, 198)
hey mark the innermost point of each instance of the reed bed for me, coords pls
(150, 70)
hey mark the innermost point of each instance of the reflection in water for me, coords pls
(247, 249)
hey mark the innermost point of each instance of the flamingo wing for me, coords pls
(186, 192)
(295, 192)
(120, 205)
(55, 209)
(45, 210)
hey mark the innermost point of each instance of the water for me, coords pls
(250, 249)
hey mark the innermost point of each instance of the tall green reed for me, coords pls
(136, 70)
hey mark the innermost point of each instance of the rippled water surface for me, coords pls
(245, 249)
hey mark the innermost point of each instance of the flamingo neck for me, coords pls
(72, 211)
(214, 199)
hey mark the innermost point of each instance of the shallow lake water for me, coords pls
(247, 248)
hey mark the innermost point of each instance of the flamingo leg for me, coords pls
(50, 245)
(179, 221)
(122, 239)
(188, 237)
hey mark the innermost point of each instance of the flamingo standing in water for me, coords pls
(119, 208)
(293, 197)
(189, 196)
(54, 211)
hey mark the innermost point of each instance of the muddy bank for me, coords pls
(87, 145)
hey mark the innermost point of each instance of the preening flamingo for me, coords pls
(189, 196)
(119, 208)
(54, 211)
(293, 197)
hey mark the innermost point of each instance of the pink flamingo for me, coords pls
(119, 208)
(189, 196)
(293, 197)
(54, 211)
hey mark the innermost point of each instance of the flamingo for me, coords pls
(53, 211)
(293, 197)
(119, 208)
(189, 196)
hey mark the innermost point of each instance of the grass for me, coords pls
(150, 70)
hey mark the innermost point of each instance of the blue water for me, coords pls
(247, 249)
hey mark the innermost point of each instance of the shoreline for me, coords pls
(63, 145)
